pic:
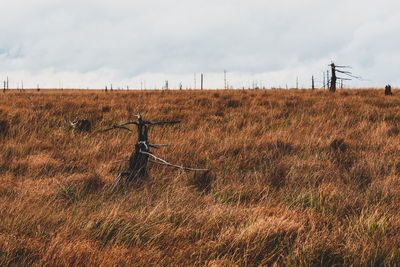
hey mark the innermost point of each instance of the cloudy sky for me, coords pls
(81, 44)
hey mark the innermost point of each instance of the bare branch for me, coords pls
(121, 126)
(343, 79)
(348, 73)
(117, 179)
(355, 77)
(128, 123)
(160, 122)
(345, 72)
(163, 162)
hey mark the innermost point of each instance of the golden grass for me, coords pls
(298, 178)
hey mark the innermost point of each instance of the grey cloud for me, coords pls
(177, 38)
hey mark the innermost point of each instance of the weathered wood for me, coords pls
(312, 83)
(140, 156)
(388, 90)
(138, 160)
(81, 125)
(332, 88)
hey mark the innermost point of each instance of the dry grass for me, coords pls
(298, 178)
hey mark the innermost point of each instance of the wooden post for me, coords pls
(38, 88)
(333, 78)
(202, 81)
(312, 82)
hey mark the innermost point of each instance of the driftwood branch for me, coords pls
(163, 162)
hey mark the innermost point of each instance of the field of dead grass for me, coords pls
(299, 177)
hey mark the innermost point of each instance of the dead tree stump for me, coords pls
(332, 88)
(388, 90)
(138, 160)
(81, 125)
(140, 156)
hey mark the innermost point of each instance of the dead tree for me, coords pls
(388, 90)
(140, 156)
(339, 69)
(332, 87)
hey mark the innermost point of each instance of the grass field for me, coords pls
(299, 177)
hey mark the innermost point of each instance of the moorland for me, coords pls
(298, 177)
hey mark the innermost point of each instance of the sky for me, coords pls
(141, 44)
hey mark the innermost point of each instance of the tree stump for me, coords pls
(137, 160)
(388, 90)
(140, 156)
(81, 125)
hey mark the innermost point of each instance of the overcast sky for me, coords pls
(73, 43)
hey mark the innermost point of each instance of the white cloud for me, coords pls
(93, 43)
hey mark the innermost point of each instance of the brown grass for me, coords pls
(298, 178)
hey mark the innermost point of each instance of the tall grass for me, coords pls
(298, 178)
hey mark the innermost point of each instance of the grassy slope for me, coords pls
(298, 177)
